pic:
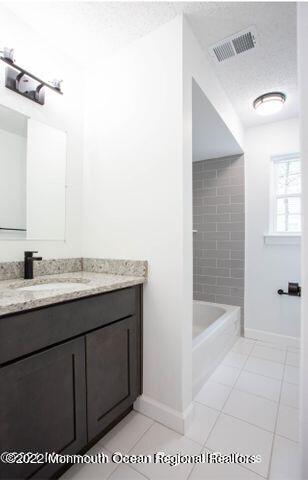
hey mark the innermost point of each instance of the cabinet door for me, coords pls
(43, 407)
(111, 359)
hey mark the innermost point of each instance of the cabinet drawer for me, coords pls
(26, 332)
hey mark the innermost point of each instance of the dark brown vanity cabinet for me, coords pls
(42, 406)
(111, 373)
(67, 394)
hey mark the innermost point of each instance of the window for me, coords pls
(286, 195)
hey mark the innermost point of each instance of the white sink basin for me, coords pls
(40, 287)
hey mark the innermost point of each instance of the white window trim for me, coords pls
(273, 237)
(284, 239)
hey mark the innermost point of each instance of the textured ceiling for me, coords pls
(95, 30)
(270, 66)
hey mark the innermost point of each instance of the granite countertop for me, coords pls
(89, 283)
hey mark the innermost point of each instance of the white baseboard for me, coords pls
(163, 414)
(282, 340)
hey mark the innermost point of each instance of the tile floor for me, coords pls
(249, 405)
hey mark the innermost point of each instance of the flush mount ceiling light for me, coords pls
(269, 103)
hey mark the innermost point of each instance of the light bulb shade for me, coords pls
(269, 103)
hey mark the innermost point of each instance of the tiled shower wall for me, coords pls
(219, 218)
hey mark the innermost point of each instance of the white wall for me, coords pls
(211, 137)
(63, 112)
(196, 66)
(134, 195)
(138, 194)
(12, 181)
(268, 267)
(302, 42)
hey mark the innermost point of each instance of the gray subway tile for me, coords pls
(197, 221)
(231, 227)
(206, 245)
(197, 202)
(217, 163)
(209, 244)
(204, 271)
(216, 182)
(201, 174)
(228, 300)
(237, 254)
(197, 238)
(197, 288)
(199, 296)
(230, 282)
(237, 236)
(197, 184)
(205, 210)
(197, 270)
(196, 253)
(236, 217)
(236, 171)
(237, 301)
(198, 192)
(237, 198)
(215, 254)
(217, 290)
(222, 200)
(219, 212)
(231, 245)
(217, 218)
(207, 262)
(216, 235)
(207, 227)
(198, 211)
(230, 263)
(237, 291)
(237, 161)
(232, 208)
(197, 165)
(209, 192)
(206, 280)
(231, 190)
(236, 180)
(223, 181)
(218, 272)
(209, 298)
(223, 172)
(207, 174)
(237, 273)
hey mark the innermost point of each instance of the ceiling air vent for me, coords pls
(234, 45)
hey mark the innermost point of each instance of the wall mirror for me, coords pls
(32, 178)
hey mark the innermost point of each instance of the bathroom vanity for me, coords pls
(69, 370)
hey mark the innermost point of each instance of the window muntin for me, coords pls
(286, 198)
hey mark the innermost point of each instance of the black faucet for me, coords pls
(29, 259)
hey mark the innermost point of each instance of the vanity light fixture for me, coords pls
(25, 83)
(56, 83)
(8, 54)
(269, 103)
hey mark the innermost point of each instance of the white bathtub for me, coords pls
(215, 329)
